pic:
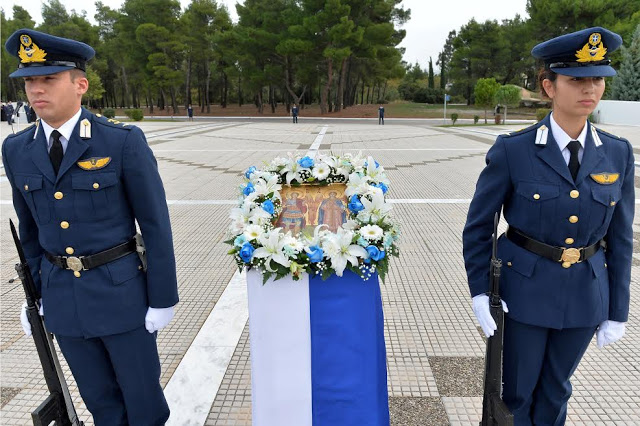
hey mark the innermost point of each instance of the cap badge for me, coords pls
(29, 51)
(594, 50)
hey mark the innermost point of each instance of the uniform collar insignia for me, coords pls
(94, 163)
(593, 50)
(37, 127)
(29, 51)
(541, 135)
(596, 138)
(605, 178)
(85, 129)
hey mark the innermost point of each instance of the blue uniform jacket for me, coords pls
(528, 178)
(82, 212)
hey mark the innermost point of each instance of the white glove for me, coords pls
(24, 320)
(157, 318)
(483, 314)
(609, 332)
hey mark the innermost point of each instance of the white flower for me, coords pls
(371, 232)
(339, 249)
(321, 171)
(293, 242)
(356, 161)
(252, 232)
(357, 185)
(240, 216)
(272, 249)
(259, 216)
(292, 169)
(266, 185)
(318, 233)
(375, 209)
(351, 225)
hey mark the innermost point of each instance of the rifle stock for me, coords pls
(494, 410)
(58, 406)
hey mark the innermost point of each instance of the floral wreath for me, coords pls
(363, 244)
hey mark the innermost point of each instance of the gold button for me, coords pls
(573, 219)
(605, 265)
(69, 250)
(566, 265)
(536, 196)
(98, 115)
(509, 264)
(26, 187)
(64, 224)
(58, 195)
(574, 194)
(568, 241)
(77, 274)
(613, 203)
(96, 185)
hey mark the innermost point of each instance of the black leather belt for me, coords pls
(81, 263)
(568, 256)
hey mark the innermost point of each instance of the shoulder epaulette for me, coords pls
(22, 132)
(111, 122)
(521, 131)
(607, 133)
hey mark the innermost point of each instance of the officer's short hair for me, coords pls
(545, 74)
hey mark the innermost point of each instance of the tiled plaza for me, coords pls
(434, 348)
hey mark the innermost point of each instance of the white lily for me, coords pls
(272, 249)
(376, 172)
(357, 161)
(292, 169)
(339, 249)
(319, 232)
(266, 185)
(357, 185)
(374, 209)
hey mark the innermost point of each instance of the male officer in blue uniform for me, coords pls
(79, 183)
(381, 115)
(567, 190)
(294, 113)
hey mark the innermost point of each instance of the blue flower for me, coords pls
(366, 163)
(354, 204)
(240, 240)
(246, 252)
(249, 171)
(248, 189)
(315, 254)
(268, 206)
(382, 186)
(362, 242)
(306, 162)
(375, 253)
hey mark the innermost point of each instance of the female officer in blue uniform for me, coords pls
(79, 183)
(566, 190)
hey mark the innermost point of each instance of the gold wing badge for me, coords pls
(94, 163)
(605, 178)
(593, 51)
(29, 51)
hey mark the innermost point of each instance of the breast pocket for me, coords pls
(535, 200)
(605, 200)
(94, 193)
(33, 191)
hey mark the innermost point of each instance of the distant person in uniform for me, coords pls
(566, 190)
(9, 112)
(294, 113)
(80, 182)
(381, 115)
(190, 112)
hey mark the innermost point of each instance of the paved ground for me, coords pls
(434, 348)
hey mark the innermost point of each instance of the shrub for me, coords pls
(134, 114)
(542, 113)
(454, 118)
(109, 113)
(476, 118)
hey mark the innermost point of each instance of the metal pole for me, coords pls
(445, 109)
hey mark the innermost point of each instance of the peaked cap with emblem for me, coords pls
(580, 54)
(44, 54)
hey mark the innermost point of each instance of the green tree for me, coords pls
(626, 85)
(444, 58)
(11, 87)
(485, 93)
(431, 82)
(508, 96)
(96, 90)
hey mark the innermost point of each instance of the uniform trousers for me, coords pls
(538, 363)
(118, 377)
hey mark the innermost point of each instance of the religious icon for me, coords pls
(307, 206)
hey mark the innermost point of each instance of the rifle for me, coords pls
(494, 410)
(58, 406)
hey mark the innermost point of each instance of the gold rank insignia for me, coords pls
(605, 178)
(29, 51)
(85, 129)
(94, 163)
(594, 50)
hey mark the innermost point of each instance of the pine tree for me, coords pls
(626, 85)
(431, 81)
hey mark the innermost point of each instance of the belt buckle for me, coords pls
(570, 256)
(74, 263)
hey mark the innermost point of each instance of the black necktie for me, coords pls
(56, 152)
(574, 164)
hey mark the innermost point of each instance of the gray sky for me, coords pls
(427, 29)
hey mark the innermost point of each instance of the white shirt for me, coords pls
(563, 139)
(65, 130)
